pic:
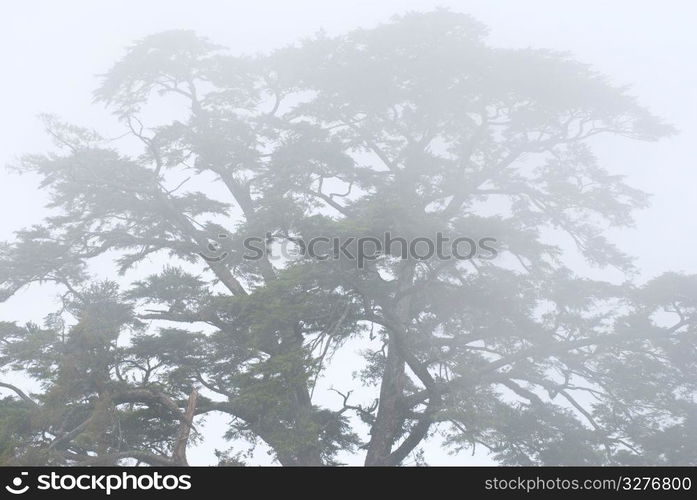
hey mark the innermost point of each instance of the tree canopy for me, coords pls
(414, 127)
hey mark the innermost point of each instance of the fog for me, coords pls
(53, 54)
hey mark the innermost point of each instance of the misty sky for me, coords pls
(51, 52)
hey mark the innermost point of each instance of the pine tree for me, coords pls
(412, 128)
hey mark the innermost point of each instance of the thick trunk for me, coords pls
(307, 451)
(390, 418)
(388, 421)
(179, 455)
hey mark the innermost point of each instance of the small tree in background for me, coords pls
(411, 128)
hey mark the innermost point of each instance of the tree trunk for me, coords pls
(179, 455)
(389, 418)
(387, 422)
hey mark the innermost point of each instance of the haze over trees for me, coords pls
(414, 127)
